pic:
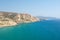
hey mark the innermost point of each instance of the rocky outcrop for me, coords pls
(9, 18)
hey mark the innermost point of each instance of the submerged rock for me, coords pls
(10, 18)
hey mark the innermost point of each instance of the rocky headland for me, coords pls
(11, 18)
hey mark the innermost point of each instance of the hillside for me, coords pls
(10, 18)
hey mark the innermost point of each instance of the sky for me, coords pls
(47, 8)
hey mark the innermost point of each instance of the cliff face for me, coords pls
(9, 18)
(26, 18)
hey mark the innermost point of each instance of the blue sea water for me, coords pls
(43, 30)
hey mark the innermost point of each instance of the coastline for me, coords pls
(11, 19)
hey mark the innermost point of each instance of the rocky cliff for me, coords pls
(10, 18)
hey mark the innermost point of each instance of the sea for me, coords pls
(42, 30)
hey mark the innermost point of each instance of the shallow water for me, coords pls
(44, 30)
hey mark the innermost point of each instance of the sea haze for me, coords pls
(43, 30)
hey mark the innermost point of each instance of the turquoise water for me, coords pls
(44, 30)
